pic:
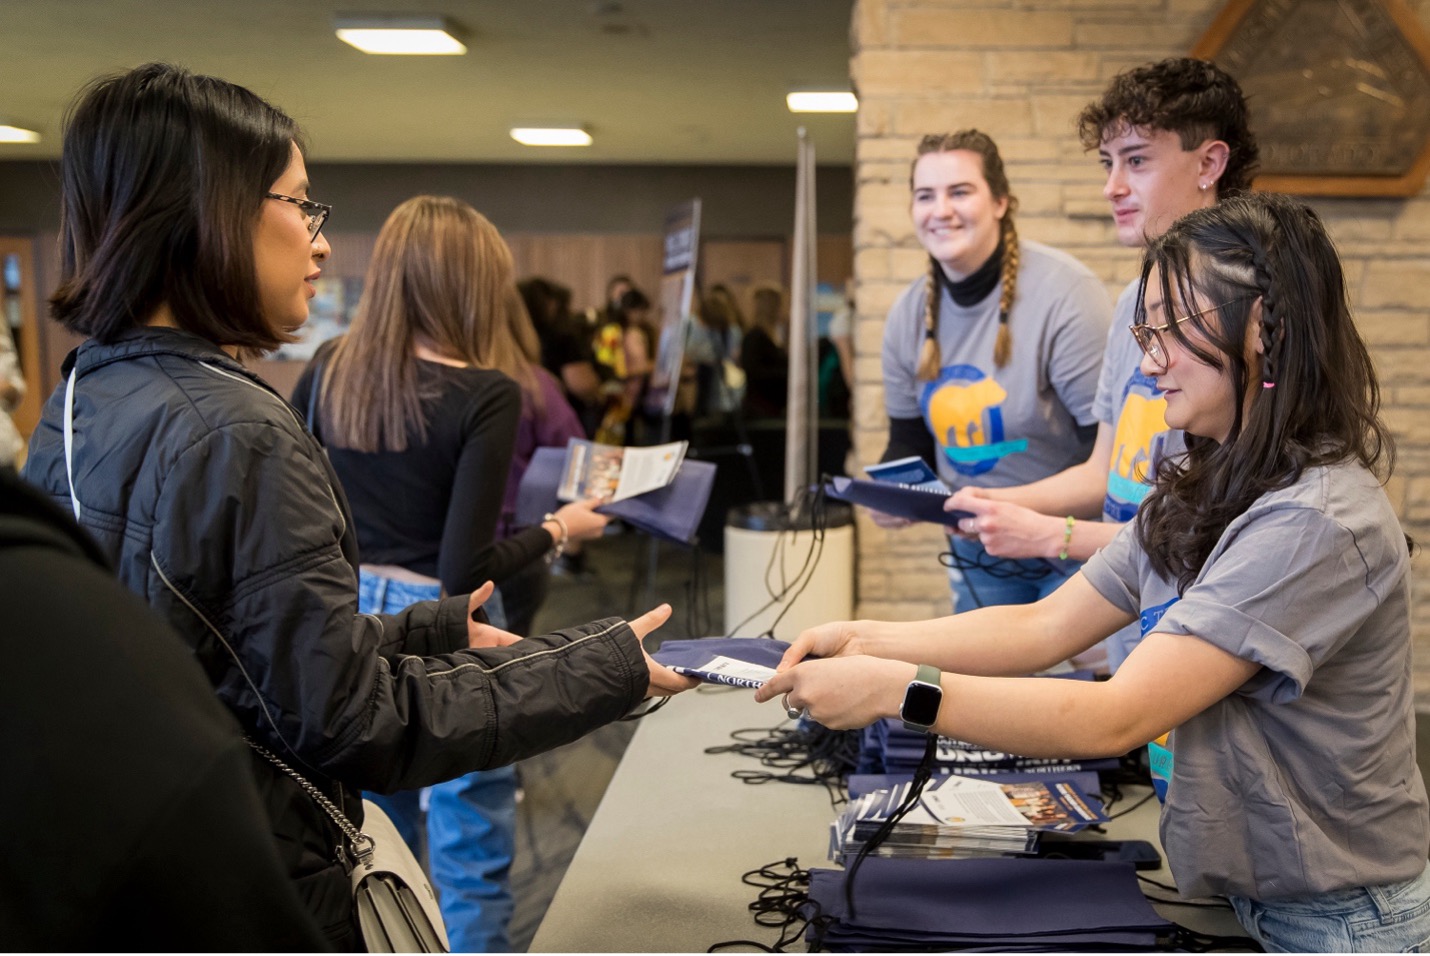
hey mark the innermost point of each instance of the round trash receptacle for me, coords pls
(765, 550)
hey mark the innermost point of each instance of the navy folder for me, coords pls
(926, 904)
(695, 657)
(895, 499)
(672, 512)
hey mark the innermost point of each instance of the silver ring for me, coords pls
(794, 713)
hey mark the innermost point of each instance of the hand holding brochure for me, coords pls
(672, 511)
(736, 661)
(614, 473)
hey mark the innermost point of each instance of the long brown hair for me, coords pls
(982, 144)
(1314, 396)
(441, 276)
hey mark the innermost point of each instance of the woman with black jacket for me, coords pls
(188, 239)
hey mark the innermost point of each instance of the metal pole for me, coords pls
(801, 385)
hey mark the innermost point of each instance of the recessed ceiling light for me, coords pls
(412, 36)
(18, 134)
(822, 101)
(551, 136)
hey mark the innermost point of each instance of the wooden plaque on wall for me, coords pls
(1339, 92)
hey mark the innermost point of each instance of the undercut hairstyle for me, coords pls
(981, 144)
(163, 174)
(441, 276)
(1193, 98)
(1314, 399)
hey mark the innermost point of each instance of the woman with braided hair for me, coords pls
(1271, 582)
(991, 359)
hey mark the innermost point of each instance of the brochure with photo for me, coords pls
(672, 512)
(965, 817)
(614, 473)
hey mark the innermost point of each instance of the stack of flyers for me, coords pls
(958, 817)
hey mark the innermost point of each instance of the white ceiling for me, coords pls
(655, 81)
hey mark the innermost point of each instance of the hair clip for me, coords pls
(1268, 384)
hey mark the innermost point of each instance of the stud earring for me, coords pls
(1202, 187)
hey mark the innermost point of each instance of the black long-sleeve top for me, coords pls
(433, 508)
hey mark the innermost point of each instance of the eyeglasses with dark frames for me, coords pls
(317, 212)
(1149, 337)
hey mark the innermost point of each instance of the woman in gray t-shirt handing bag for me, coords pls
(1270, 580)
(991, 358)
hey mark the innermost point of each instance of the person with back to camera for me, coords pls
(1172, 137)
(565, 348)
(188, 238)
(418, 406)
(763, 357)
(713, 346)
(1271, 580)
(990, 361)
(546, 421)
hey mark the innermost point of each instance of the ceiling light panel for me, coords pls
(405, 36)
(822, 101)
(551, 136)
(18, 134)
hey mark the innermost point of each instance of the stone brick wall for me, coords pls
(1021, 70)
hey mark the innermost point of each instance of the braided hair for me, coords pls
(1309, 398)
(982, 144)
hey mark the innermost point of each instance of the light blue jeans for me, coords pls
(471, 821)
(1373, 919)
(1010, 581)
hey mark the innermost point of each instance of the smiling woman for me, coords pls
(990, 360)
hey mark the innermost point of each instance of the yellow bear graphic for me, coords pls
(956, 412)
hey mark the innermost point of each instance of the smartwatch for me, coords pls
(922, 700)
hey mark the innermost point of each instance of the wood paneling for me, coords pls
(586, 261)
(741, 265)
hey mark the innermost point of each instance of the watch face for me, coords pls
(921, 703)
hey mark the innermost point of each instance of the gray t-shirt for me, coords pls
(1303, 780)
(999, 427)
(1132, 405)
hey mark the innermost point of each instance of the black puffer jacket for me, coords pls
(215, 504)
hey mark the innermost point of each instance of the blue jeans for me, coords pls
(380, 595)
(471, 821)
(1010, 581)
(1371, 919)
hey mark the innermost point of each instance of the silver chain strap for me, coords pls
(361, 843)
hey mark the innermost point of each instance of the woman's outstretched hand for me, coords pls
(835, 639)
(481, 634)
(664, 682)
(841, 693)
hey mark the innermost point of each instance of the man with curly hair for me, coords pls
(1172, 137)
